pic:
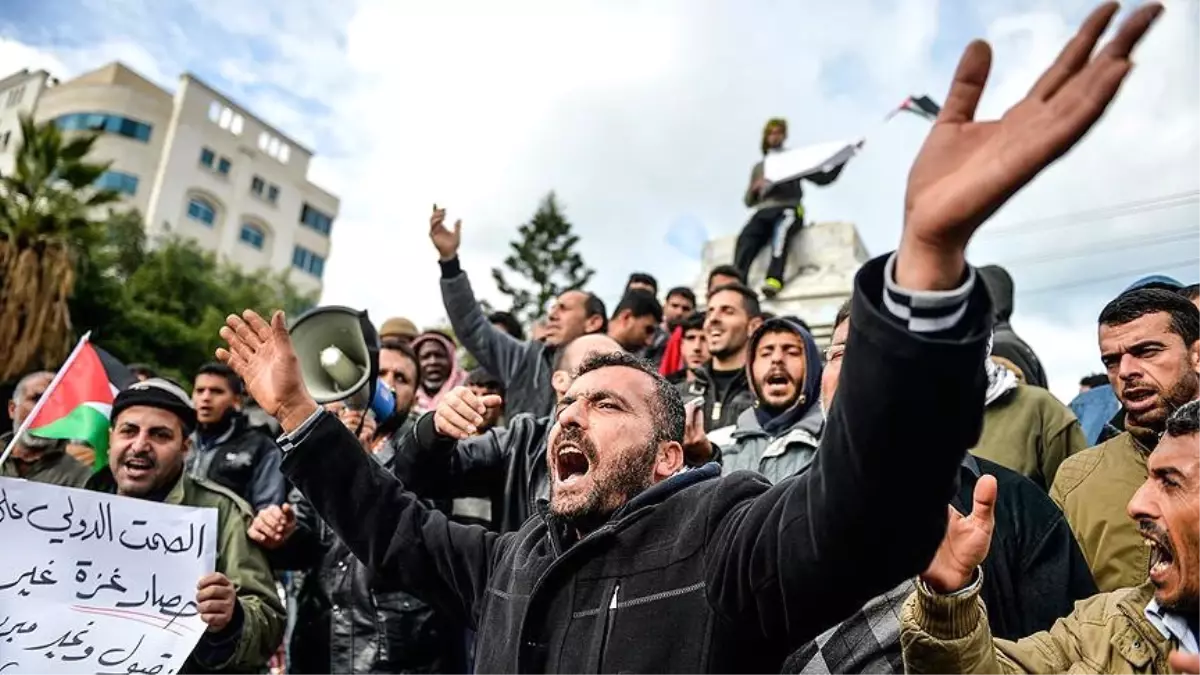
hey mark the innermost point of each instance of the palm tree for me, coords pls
(47, 215)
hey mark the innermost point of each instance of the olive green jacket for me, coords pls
(1031, 432)
(1093, 488)
(243, 562)
(52, 467)
(1106, 633)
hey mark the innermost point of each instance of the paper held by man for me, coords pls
(789, 165)
(95, 583)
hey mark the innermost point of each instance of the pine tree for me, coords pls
(545, 256)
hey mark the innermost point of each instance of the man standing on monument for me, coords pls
(778, 211)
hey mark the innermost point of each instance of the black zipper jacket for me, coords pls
(700, 573)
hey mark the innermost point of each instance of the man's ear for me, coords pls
(12, 409)
(668, 461)
(561, 381)
(1194, 354)
(753, 325)
(592, 324)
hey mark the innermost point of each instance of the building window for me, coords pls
(202, 210)
(224, 117)
(264, 190)
(207, 157)
(239, 123)
(273, 194)
(258, 185)
(223, 166)
(308, 261)
(274, 147)
(253, 235)
(15, 95)
(112, 124)
(316, 220)
(125, 183)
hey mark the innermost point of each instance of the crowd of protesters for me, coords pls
(697, 485)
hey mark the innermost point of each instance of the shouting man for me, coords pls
(631, 551)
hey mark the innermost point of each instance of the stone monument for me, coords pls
(822, 261)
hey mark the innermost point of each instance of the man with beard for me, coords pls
(635, 320)
(1150, 347)
(1130, 630)
(226, 449)
(779, 434)
(732, 315)
(42, 460)
(440, 371)
(151, 424)
(636, 565)
(524, 368)
(1032, 576)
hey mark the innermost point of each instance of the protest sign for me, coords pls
(788, 165)
(95, 583)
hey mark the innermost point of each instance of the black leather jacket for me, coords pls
(350, 622)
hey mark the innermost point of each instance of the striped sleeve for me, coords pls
(926, 311)
(296, 436)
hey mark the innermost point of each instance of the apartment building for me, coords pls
(194, 163)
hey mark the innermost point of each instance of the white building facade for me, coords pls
(194, 163)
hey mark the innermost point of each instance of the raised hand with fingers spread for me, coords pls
(446, 241)
(966, 543)
(262, 355)
(967, 169)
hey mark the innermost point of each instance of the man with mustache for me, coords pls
(631, 552)
(779, 434)
(1130, 630)
(42, 460)
(152, 422)
(440, 372)
(1150, 347)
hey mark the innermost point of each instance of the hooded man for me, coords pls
(1006, 343)
(779, 434)
(440, 372)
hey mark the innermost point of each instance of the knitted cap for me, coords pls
(157, 392)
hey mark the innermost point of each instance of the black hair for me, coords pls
(142, 370)
(594, 306)
(683, 291)
(482, 378)
(1094, 380)
(726, 271)
(642, 278)
(666, 406)
(1185, 421)
(749, 298)
(694, 321)
(1190, 292)
(221, 370)
(640, 303)
(1132, 305)
(405, 349)
(843, 313)
(510, 323)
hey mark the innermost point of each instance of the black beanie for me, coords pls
(157, 392)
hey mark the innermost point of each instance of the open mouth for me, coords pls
(138, 466)
(1161, 558)
(571, 464)
(778, 379)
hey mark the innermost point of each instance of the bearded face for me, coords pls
(779, 368)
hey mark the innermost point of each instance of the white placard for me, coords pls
(786, 165)
(95, 583)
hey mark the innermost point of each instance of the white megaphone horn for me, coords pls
(338, 350)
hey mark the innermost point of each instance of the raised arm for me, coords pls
(873, 507)
(385, 526)
(496, 351)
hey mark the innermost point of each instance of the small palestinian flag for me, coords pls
(922, 106)
(77, 404)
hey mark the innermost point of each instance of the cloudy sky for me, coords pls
(643, 115)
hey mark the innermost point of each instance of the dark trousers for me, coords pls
(773, 226)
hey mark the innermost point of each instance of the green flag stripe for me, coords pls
(84, 423)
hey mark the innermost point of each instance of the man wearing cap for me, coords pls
(398, 328)
(152, 422)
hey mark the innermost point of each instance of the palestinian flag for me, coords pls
(922, 106)
(77, 404)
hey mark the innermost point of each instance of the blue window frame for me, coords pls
(202, 210)
(125, 183)
(112, 124)
(316, 220)
(207, 157)
(223, 166)
(308, 261)
(253, 235)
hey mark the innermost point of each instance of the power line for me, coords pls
(1091, 215)
(1191, 262)
(1110, 246)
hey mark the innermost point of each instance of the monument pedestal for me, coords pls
(822, 261)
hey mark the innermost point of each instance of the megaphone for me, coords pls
(338, 349)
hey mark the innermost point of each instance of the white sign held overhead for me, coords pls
(95, 583)
(787, 165)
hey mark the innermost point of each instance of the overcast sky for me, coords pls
(641, 115)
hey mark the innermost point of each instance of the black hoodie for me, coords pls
(1006, 343)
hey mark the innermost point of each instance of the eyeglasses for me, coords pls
(834, 352)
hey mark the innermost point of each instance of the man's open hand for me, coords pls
(966, 169)
(460, 412)
(262, 355)
(445, 241)
(966, 542)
